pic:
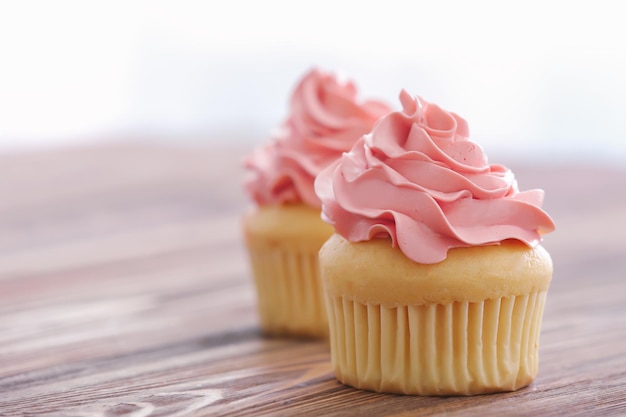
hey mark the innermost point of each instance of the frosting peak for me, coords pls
(419, 179)
(325, 120)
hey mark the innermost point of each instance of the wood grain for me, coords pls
(125, 291)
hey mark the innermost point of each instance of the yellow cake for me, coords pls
(283, 243)
(467, 325)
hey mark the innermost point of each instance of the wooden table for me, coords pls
(125, 291)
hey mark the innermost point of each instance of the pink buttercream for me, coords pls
(419, 179)
(325, 120)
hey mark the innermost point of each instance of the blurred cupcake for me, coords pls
(284, 231)
(435, 281)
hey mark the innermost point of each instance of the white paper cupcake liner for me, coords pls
(289, 293)
(461, 348)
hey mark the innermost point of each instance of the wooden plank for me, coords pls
(125, 291)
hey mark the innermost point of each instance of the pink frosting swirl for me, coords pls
(325, 121)
(419, 179)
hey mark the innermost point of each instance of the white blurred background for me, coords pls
(543, 78)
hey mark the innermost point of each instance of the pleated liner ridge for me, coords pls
(460, 348)
(289, 292)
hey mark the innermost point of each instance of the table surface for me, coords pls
(125, 291)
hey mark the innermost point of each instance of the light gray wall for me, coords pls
(544, 77)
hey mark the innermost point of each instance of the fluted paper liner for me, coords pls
(462, 348)
(289, 292)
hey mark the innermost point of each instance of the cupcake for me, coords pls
(283, 230)
(435, 281)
